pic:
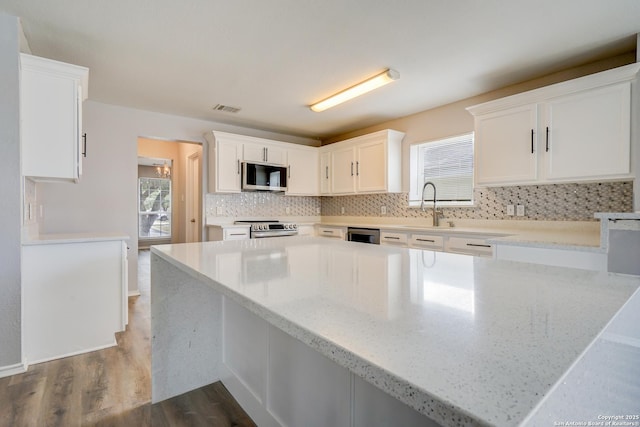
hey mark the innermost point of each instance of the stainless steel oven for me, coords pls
(363, 235)
(270, 228)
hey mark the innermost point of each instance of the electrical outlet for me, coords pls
(219, 210)
(383, 210)
(287, 210)
(511, 211)
(342, 210)
(520, 210)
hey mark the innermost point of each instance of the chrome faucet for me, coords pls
(436, 213)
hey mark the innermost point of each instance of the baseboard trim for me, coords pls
(9, 370)
(75, 353)
(135, 293)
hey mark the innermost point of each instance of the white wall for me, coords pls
(10, 217)
(106, 197)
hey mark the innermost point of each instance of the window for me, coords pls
(448, 163)
(154, 210)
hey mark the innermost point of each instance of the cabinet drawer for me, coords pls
(469, 245)
(236, 233)
(336, 233)
(426, 241)
(388, 238)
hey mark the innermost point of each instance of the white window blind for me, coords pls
(448, 163)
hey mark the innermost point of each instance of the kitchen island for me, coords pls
(309, 331)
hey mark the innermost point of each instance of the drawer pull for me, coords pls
(237, 234)
(478, 245)
(327, 231)
(392, 237)
(426, 240)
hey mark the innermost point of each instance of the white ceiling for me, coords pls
(274, 58)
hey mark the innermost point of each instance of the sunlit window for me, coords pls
(448, 163)
(154, 208)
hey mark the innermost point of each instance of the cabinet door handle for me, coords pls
(264, 154)
(532, 141)
(547, 146)
(238, 166)
(326, 172)
(289, 171)
(478, 245)
(84, 144)
(351, 168)
(426, 240)
(357, 168)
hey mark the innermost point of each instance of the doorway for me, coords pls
(194, 198)
(179, 164)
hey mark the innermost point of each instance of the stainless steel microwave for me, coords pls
(263, 177)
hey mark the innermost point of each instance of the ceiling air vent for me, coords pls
(225, 108)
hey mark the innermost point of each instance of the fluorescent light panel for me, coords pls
(368, 85)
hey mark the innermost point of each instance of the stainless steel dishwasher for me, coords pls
(364, 235)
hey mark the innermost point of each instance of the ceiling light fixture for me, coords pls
(387, 76)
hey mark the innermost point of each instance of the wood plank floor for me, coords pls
(112, 387)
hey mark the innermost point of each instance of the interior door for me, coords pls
(193, 202)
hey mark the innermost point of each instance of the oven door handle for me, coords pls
(279, 233)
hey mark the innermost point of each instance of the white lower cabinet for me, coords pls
(332, 232)
(235, 232)
(426, 241)
(476, 245)
(306, 230)
(281, 381)
(391, 238)
(74, 297)
(469, 245)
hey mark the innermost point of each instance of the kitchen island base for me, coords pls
(201, 336)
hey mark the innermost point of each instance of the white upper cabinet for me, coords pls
(508, 149)
(51, 95)
(572, 131)
(588, 134)
(227, 151)
(224, 162)
(302, 174)
(325, 173)
(365, 164)
(343, 163)
(264, 153)
(372, 167)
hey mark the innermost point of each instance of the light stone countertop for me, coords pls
(570, 235)
(477, 341)
(58, 238)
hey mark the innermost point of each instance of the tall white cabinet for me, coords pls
(51, 96)
(580, 130)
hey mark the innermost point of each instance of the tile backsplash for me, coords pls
(261, 204)
(553, 202)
